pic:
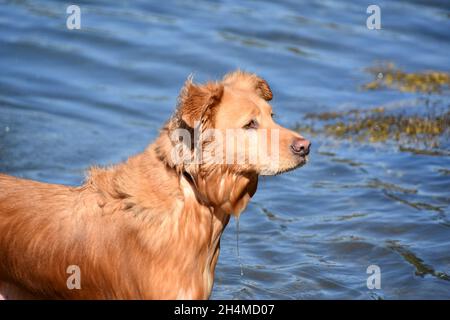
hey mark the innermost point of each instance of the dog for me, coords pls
(150, 227)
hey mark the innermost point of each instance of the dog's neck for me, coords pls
(223, 190)
(182, 215)
(209, 201)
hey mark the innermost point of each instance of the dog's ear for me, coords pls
(249, 81)
(195, 103)
(198, 102)
(263, 89)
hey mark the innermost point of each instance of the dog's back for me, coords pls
(27, 206)
(26, 202)
(46, 228)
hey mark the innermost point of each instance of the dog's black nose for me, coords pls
(300, 146)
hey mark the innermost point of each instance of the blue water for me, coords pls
(73, 98)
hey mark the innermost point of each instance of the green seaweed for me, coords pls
(421, 268)
(379, 125)
(386, 186)
(389, 76)
(347, 161)
(415, 205)
(327, 153)
(351, 216)
(425, 152)
(419, 127)
(246, 41)
(445, 172)
(296, 50)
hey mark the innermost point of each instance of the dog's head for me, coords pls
(230, 123)
(228, 127)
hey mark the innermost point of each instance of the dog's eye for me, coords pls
(272, 115)
(251, 125)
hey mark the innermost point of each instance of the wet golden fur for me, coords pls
(147, 228)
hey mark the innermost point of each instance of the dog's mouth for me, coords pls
(303, 159)
(300, 161)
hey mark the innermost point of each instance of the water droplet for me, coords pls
(237, 245)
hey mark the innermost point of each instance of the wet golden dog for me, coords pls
(148, 228)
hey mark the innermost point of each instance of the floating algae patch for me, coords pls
(420, 126)
(379, 125)
(426, 152)
(348, 162)
(386, 186)
(415, 205)
(387, 75)
(445, 172)
(246, 41)
(421, 268)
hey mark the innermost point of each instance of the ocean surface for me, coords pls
(73, 98)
